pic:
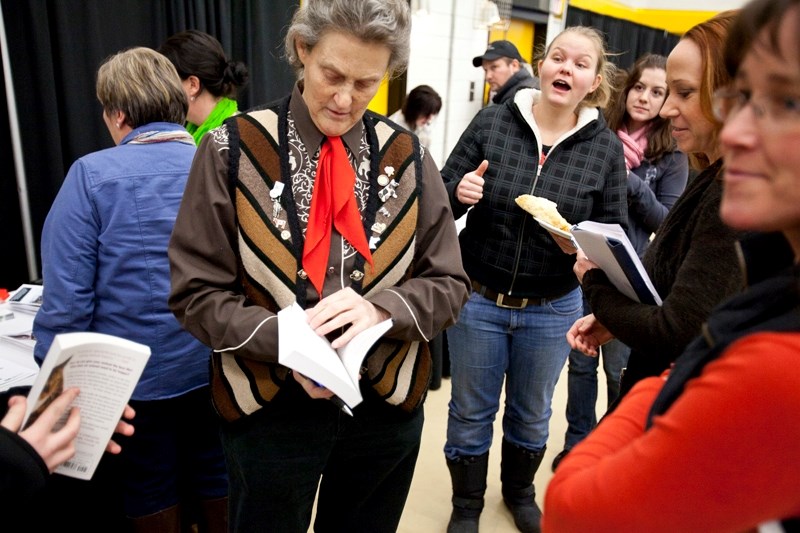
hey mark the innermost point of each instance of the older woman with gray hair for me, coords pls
(104, 255)
(315, 201)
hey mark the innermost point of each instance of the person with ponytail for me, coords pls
(552, 143)
(210, 79)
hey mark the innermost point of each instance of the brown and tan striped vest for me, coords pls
(395, 371)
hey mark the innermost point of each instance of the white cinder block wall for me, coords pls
(443, 43)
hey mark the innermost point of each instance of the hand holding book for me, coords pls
(105, 369)
(303, 350)
(609, 248)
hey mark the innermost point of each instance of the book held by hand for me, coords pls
(302, 350)
(106, 369)
(608, 246)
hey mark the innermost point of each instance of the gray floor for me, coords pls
(428, 506)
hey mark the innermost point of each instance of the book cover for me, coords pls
(302, 350)
(608, 246)
(106, 369)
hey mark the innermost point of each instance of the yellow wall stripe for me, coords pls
(664, 19)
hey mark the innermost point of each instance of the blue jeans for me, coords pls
(277, 456)
(525, 347)
(582, 387)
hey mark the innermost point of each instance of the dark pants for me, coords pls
(276, 457)
(174, 456)
(582, 385)
(582, 388)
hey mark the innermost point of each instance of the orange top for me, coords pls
(724, 457)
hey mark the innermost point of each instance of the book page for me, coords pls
(352, 354)
(302, 350)
(106, 369)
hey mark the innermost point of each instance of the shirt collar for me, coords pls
(308, 131)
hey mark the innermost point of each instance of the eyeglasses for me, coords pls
(777, 111)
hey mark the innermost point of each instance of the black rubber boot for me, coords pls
(517, 469)
(468, 475)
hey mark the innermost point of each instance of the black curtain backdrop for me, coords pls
(626, 39)
(55, 48)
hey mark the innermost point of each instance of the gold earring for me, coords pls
(119, 125)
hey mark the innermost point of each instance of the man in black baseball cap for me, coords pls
(505, 70)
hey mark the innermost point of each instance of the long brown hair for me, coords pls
(710, 37)
(659, 136)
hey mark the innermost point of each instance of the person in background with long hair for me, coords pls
(657, 171)
(710, 445)
(210, 79)
(657, 175)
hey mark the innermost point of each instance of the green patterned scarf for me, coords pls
(224, 108)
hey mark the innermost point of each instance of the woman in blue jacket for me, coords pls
(104, 257)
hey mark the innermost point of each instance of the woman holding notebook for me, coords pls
(692, 261)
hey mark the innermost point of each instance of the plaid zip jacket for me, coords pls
(502, 247)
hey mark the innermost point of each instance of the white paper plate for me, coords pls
(553, 229)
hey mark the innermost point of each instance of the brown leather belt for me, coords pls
(504, 300)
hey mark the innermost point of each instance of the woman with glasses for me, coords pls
(713, 448)
(692, 260)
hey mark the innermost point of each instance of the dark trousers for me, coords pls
(276, 457)
(174, 456)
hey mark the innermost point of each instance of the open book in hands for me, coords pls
(106, 369)
(608, 246)
(302, 350)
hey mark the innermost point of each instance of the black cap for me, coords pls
(496, 50)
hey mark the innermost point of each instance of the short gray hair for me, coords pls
(144, 85)
(386, 22)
